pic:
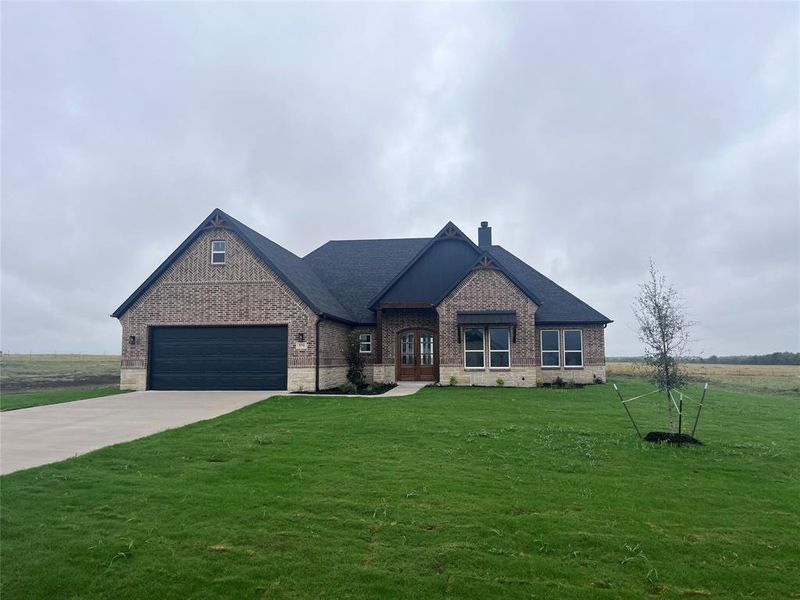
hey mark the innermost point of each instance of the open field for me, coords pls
(20, 372)
(775, 379)
(35, 379)
(458, 492)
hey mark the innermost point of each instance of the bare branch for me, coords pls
(664, 331)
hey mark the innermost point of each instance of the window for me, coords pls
(573, 348)
(425, 348)
(550, 349)
(499, 348)
(218, 252)
(407, 348)
(365, 343)
(473, 348)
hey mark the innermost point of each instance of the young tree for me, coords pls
(664, 331)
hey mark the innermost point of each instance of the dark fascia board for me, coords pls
(436, 238)
(498, 266)
(563, 323)
(231, 224)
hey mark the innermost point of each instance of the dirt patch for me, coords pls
(671, 438)
(56, 383)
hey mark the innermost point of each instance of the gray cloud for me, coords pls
(592, 136)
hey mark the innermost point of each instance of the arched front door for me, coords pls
(417, 355)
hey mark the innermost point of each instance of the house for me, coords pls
(230, 309)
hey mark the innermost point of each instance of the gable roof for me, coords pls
(298, 275)
(557, 305)
(356, 270)
(449, 231)
(343, 279)
(488, 260)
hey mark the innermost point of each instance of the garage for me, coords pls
(218, 358)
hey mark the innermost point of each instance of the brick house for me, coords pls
(230, 309)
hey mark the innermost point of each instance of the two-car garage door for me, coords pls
(218, 358)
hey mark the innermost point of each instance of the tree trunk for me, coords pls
(669, 412)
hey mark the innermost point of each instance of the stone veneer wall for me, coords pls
(594, 356)
(487, 289)
(243, 291)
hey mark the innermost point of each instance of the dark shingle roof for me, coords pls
(557, 304)
(356, 270)
(296, 272)
(342, 278)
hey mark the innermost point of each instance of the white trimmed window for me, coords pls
(473, 348)
(573, 348)
(218, 252)
(551, 353)
(499, 348)
(365, 343)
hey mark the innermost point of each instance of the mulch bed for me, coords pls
(365, 390)
(671, 438)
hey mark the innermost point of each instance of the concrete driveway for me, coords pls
(30, 437)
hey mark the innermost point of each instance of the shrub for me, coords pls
(453, 380)
(558, 382)
(355, 360)
(348, 388)
(500, 382)
(539, 381)
(597, 379)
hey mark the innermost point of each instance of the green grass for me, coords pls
(465, 493)
(15, 400)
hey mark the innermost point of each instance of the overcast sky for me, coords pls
(590, 136)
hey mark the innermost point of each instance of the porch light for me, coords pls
(132, 340)
(301, 337)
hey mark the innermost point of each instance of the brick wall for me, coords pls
(594, 355)
(369, 357)
(192, 291)
(487, 289)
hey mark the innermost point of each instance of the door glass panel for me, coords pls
(407, 349)
(426, 349)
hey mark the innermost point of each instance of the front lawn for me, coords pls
(14, 400)
(470, 493)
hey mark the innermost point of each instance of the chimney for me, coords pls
(485, 235)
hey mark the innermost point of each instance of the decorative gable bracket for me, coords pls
(216, 222)
(485, 262)
(451, 232)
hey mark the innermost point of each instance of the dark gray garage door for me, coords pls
(218, 358)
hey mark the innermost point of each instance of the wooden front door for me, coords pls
(417, 355)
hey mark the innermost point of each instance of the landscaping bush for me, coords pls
(348, 388)
(355, 360)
